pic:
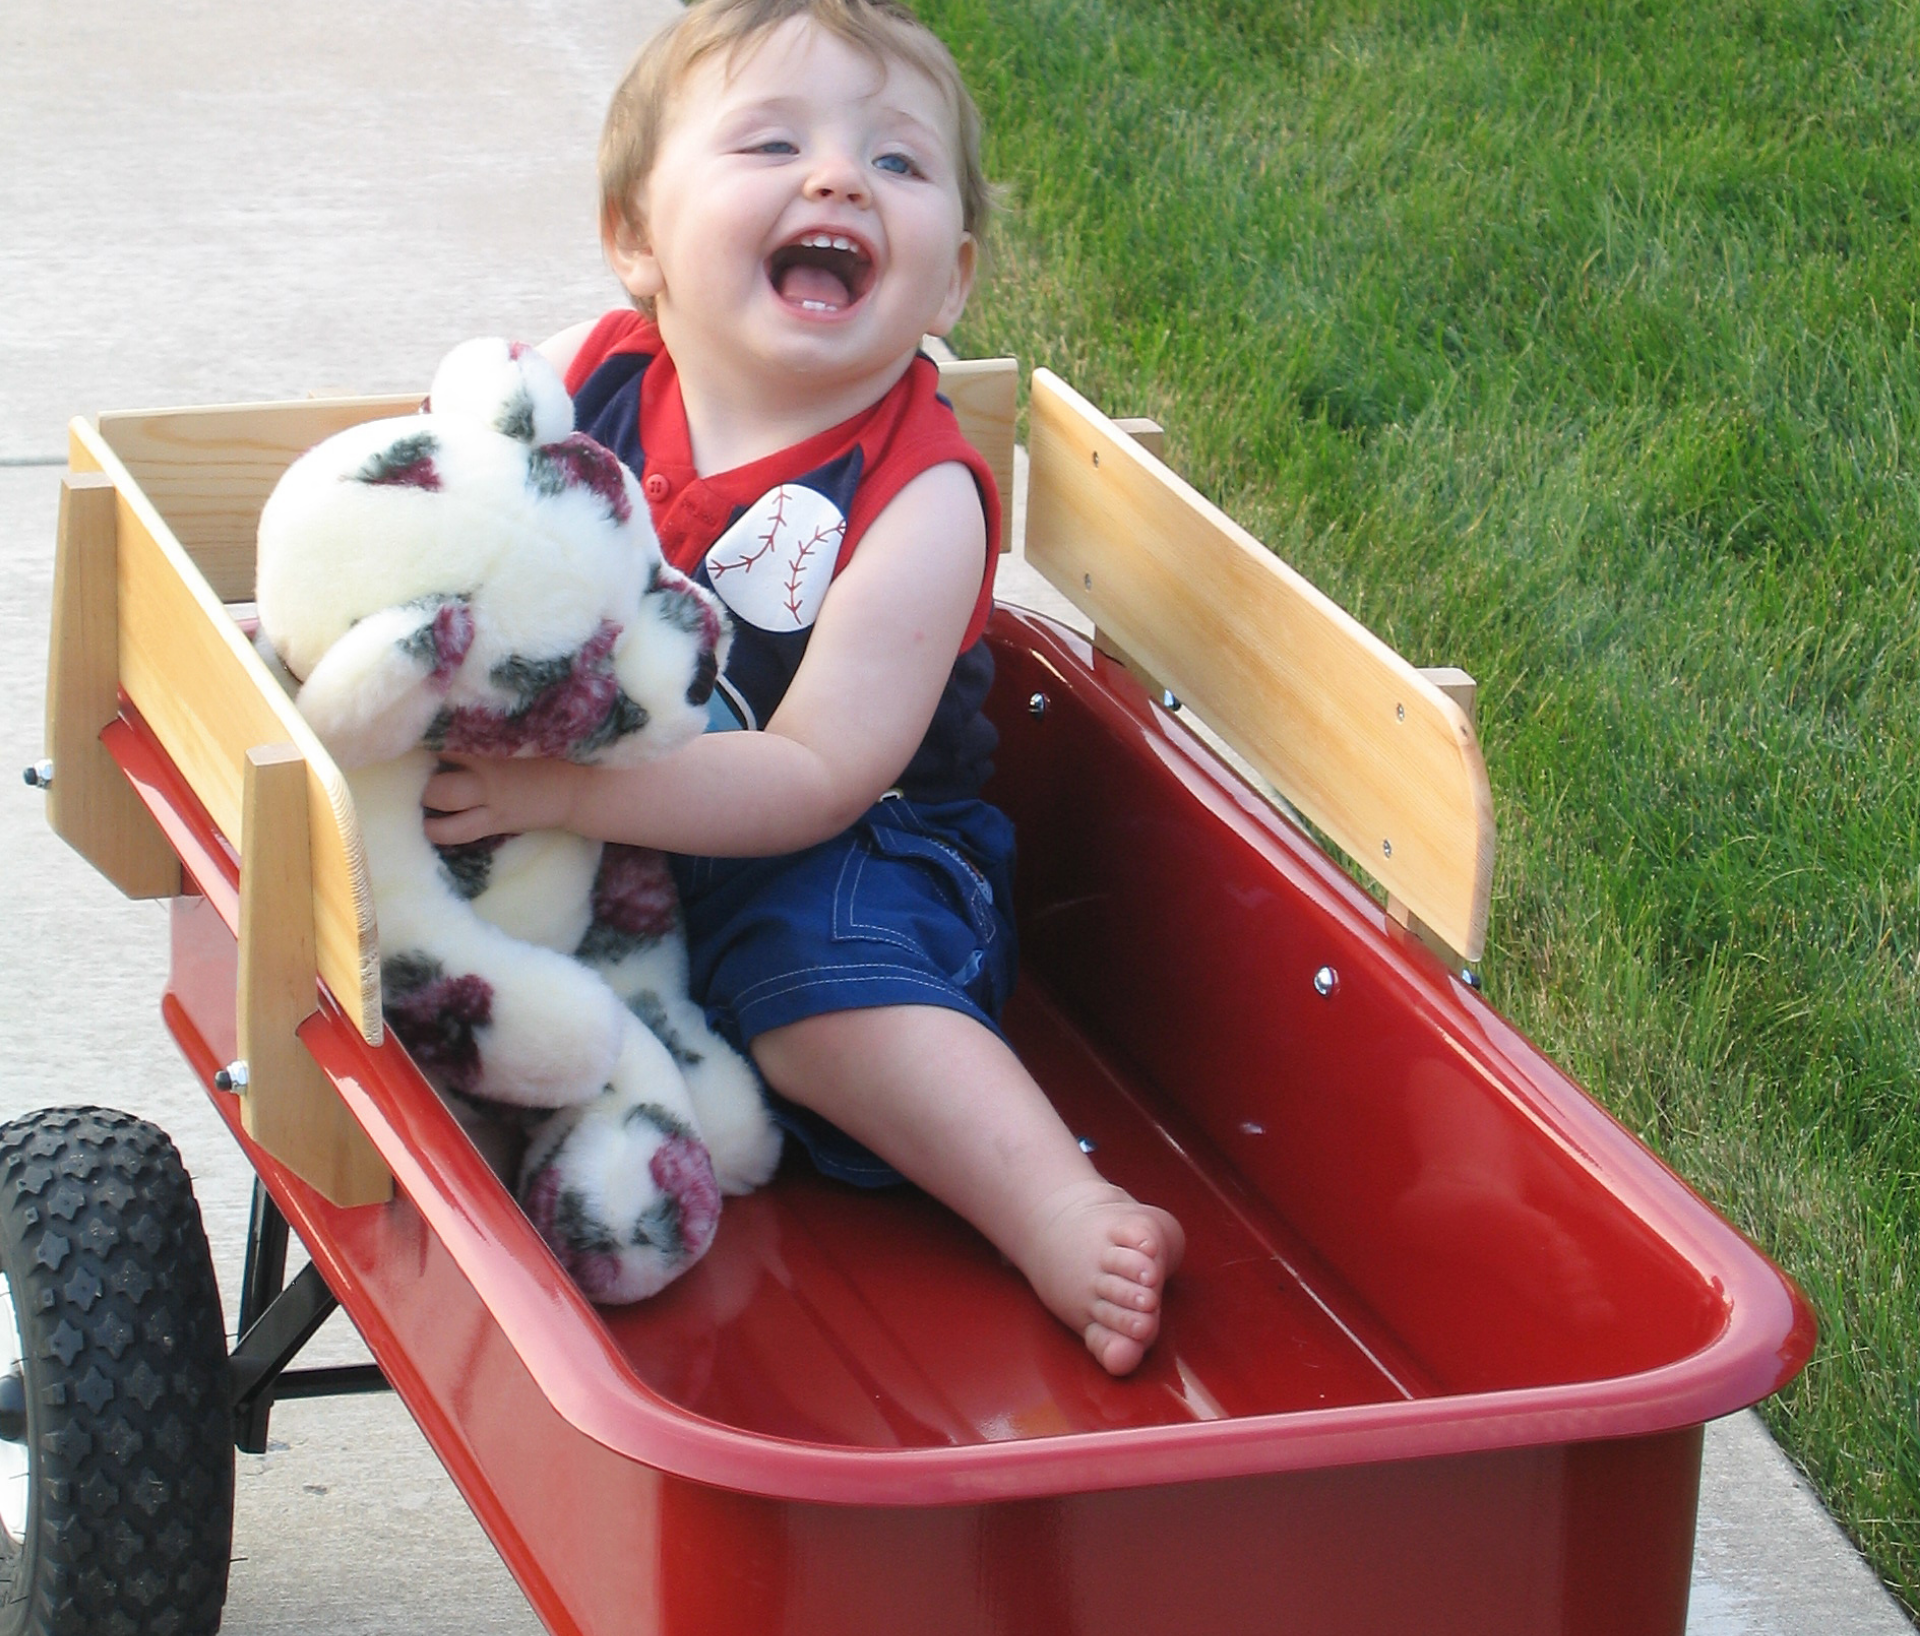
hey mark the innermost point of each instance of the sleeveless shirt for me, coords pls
(767, 538)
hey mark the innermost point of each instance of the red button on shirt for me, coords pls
(657, 487)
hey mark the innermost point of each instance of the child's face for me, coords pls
(802, 223)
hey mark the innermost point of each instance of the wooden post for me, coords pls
(1464, 691)
(1152, 437)
(90, 804)
(289, 1106)
(984, 392)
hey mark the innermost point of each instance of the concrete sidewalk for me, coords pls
(216, 202)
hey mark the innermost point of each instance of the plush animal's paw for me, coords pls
(740, 1132)
(506, 386)
(624, 1194)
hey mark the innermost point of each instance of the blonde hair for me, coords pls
(884, 30)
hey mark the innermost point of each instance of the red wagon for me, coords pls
(1443, 1345)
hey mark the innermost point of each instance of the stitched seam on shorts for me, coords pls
(828, 976)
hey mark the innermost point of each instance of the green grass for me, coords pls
(1575, 343)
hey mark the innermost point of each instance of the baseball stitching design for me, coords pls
(773, 566)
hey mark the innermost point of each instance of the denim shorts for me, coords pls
(911, 906)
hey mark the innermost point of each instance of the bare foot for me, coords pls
(1099, 1260)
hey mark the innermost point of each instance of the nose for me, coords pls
(837, 175)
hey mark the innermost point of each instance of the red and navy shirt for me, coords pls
(768, 537)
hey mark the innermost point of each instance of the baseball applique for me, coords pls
(773, 566)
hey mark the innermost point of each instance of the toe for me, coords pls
(1127, 1293)
(1137, 1326)
(1135, 1266)
(1114, 1352)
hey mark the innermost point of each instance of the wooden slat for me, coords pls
(1344, 727)
(289, 1106)
(209, 471)
(209, 699)
(90, 805)
(983, 392)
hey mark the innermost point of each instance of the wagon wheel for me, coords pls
(116, 1435)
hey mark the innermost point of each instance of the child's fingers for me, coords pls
(453, 789)
(457, 828)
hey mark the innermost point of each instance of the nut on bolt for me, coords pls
(39, 775)
(233, 1077)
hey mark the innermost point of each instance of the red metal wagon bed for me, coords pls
(1446, 1335)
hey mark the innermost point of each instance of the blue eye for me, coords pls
(899, 164)
(775, 145)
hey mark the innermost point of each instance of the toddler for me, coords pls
(792, 195)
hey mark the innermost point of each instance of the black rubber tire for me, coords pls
(129, 1417)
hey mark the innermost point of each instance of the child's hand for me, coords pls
(472, 797)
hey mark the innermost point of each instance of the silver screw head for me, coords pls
(233, 1077)
(1088, 1144)
(1169, 702)
(1470, 977)
(1325, 981)
(1036, 705)
(1386, 849)
(39, 775)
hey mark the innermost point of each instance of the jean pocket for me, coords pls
(921, 893)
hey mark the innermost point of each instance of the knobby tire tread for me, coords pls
(129, 1409)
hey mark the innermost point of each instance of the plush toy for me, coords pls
(480, 577)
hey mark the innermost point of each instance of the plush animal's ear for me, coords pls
(376, 691)
(505, 385)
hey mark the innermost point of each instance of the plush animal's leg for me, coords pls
(636, 944)
(621, 1188)
(727, 1100)
(483, 1013)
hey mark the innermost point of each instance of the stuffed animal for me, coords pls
(480, 577)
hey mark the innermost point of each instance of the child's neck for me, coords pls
(732, 422)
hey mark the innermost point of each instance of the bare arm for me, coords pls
(560, 349)
(858, 708)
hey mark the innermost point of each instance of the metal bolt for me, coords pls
(1399, 712)
(1325, 981)
(1471, 978)
(1088, 1144)
(1169, 702)
(1096, 457)
(233, 1077)
(1036, 705)
(1252, 1127)
(39, 775)
(1086, 581)
(1386, 849)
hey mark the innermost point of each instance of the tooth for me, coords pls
(843, 244)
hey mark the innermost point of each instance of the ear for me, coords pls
(630, 254)
(959, 287)
(376, 691)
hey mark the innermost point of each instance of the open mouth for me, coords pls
(821, 272)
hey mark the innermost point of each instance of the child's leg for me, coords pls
(945, 1102)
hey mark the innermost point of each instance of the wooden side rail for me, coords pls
(183, 663)
(1357, 739)
(208, 472)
